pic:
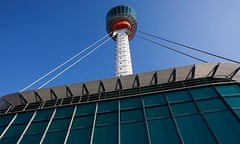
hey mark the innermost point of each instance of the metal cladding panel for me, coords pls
(202, 70)
(13, 99)
(92, 86)
(164, 75)
(110, 84)
(145, 78)
(237, 76)
(225, 70)
(29, 96)
(76, 89)
(44, 94)
(127, 81)
(60, 91)
(182, 72)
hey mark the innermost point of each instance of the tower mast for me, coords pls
(121, 25)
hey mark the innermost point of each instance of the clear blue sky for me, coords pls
(37, 35)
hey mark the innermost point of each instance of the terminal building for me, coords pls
(193, 104)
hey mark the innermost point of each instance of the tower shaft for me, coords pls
(121, 25)
(123, 64)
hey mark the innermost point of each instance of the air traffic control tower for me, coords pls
(121, 25)
(195, 104)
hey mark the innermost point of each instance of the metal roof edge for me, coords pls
(216, 70)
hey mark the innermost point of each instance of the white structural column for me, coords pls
(123, 64)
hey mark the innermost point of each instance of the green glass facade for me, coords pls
(206, 112)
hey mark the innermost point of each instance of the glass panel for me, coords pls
(107, 118)
(237, 112)
(37, 127)
(11, 140)
(84, 121)
(194, 130)
(156, 99)
(163, 132)
(121, 9)
(107, 106)
(114, 12)
(56, 137)
(2, 129)
(233, 101)
(125, 9)
(184, 108)
(106, 135)
(80, 135)
(133, 133)
(15, 130)
(86, 109)
(178, 96)
(161, 111)
(130, 103)
(208, 105)
(43, 114)
(23, 117)
(28, 139)
(59, 124)
(118, 9)
(225, 126)
(228, 89)
(64, 112)
(128, 10)
(203, 92)
(132, 115)
(4, 120)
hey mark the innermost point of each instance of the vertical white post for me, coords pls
(123, 63)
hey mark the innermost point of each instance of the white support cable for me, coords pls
(67, 68)
(59, 66)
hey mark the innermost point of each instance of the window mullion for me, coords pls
(174, 119)
(202, 116)
(119, 123)
(94, 123)
(28, 125)
(6, 129)
(145, 121)
(226, 104)
(70, 125)
(49, 123)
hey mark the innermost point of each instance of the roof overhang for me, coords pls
(215, 70)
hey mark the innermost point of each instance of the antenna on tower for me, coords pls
(121, 24)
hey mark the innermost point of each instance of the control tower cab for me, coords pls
(121, 17)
